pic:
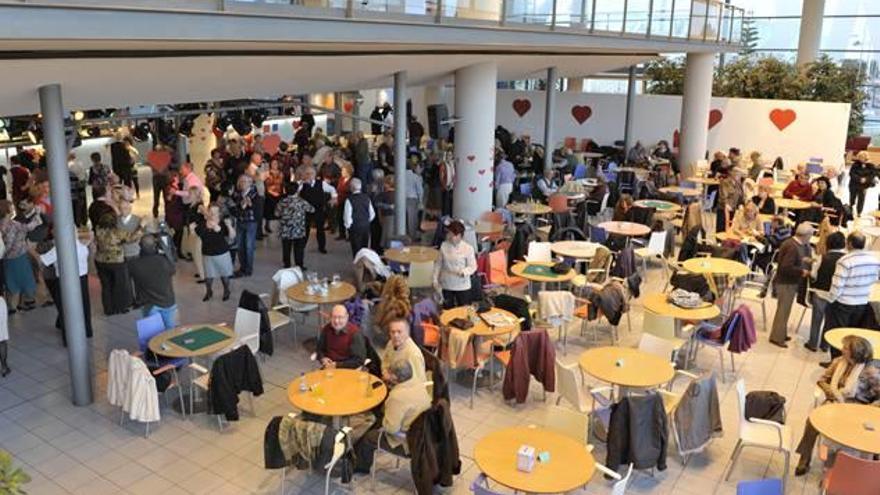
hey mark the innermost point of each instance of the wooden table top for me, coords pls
(409, 254)
(626, 228)
(529, 208)
(835, 336)
(162, 346)
(684, 191)
(792, 204)
(570, 467)
(658, 304)
(342, 393)
(337, 293)
(575, 249)
(637, 369)
(518, 270)
(662, 206)
(708, 181)
(716, 266)
(845, 424)
(480, 328)
(488, 228)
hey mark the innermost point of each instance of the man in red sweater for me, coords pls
(799, 188)
(340, 343)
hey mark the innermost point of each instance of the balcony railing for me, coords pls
(707, 21)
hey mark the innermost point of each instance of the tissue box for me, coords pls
(525, 458)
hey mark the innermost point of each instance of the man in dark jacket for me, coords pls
(153, 273)
(793, 268)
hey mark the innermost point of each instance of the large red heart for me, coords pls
(676, 138)
(522, 106)
(581, 113)
(270, 143)
(782, 118)
(348, 106)
(159, 158)
(715, 117)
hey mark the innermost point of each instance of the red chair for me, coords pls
(558, 203)
(431, 335)
(852, 476)
(498, 274)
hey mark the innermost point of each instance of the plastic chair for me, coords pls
(568, 422)
(758, 291)
(701, 339)
(431, 335)
(558, 203)
(247, 329)
(770, 486)
(655, 249)
(341, 444)
(492, 217)
(147, 328)
(598, 234)
(525, 188)
(815, 168)
(762, 433)
(498, 274)
(620, 483)
(663, 327)
(659, 347)
(480, 486)
(421, 275)
(570, 387)
(539, 252)
(393, 265)
(852, 476)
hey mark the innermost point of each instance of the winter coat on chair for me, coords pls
(433, 448)
(118, 373)
(532, 354)
(232, 373)
(698, 416)
(252, 302)
(141, 399)
(638, 433)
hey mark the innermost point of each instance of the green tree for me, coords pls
(825, 80)
(763, 78)
(749, 37)
(12, 479)
(665, 76)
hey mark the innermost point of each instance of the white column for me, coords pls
(474, 139)
(400, 153)
(549, 117)
(696, 100)
(630, 103)
(811, 31)
(575, 85)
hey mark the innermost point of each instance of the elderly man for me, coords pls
(357, 215)
(794, 258)
(341, 343)
(401, 348)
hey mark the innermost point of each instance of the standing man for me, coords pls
(121, 161)
(316, 191)
(153, 273)
(159, 166)
(357, 216)
(850, 289)
(363, 164)
(505, 175)
(415, 194)
(794, 266)
(340, 343)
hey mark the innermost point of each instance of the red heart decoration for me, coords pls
(472, 189)
(481, 171)
(348, 106)
(160, 159)
(492, 184)
(581, 113)
(782, 118)
(715, 117)
(676, 137)
(522, 106)
(270, 143)
(471, 158)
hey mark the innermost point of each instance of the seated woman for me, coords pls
(764, 200)
(799, 188)
(746, 222)
(623, 209)
(849, 378)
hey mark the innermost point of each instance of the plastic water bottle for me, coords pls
(303, 387)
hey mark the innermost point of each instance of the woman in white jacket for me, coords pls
(454, 268)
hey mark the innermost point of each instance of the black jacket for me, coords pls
(516, 305)
(638, 433)
(273, 456)
(231, 374)
(441, 386)
(826, 270)
(433, 448)
(252, 302)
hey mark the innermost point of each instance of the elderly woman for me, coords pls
(293, 211)
(217, 262)
(18, 275)
(764, 200)
(850, 378)
(746, 222)
(454, 268)
(116, 295)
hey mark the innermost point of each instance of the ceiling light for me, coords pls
(78, 115)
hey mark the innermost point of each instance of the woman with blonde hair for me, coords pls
(746, 222)
(393, 304)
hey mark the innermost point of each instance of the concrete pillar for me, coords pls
(630, 103)
(65, 244)
(696, 100)
(811, 31)
(575, 85)
(400, 153)
(549, 116)
(475, 88)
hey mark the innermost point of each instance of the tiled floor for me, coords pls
(69, 449)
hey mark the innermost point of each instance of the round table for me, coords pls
(410, 254)
(716, 266)
(658, 304)
(481, 328)
(519, 270)
(570, 467)
(792, 204)
(835, 336)
(687, 192)
(660, 205)
(845, 424)
(342, 291)
(629, 229)
(487, 228)
(337, 393)
(161, 344)
(706, 181)
(637, 369)
(575, 249)
(529, 208)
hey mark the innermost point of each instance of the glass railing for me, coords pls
(712, 21)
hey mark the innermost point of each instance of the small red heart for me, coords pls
(481, 171)
(782, 118)
(472, 189)
(159, 158)
(492, 184)
(715, 117)
(471, 158)
(270, 143)
(581, 113)
(348, 106)
(522, 106)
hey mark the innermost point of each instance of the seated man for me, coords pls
(401, 348)
(799, 188)
(340, 343)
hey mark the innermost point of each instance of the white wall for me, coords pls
(819, 129)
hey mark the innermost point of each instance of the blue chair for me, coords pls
(710, 201)
(770, 486)
(703, 337)
(525, 188)
(815, 168)
(580, 171)
(598, 234)
(149, 327)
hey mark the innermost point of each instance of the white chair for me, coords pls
(655, 249)
(283, 280)
(421, 275)
(202, 381)
(570, 387)
(539, 252)
(277, 318)
(570, 423)
(756, 288)
(558, 321)
(620, 482)
(247, 329)
(762, 433)
(341, 443)
(658, 346)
